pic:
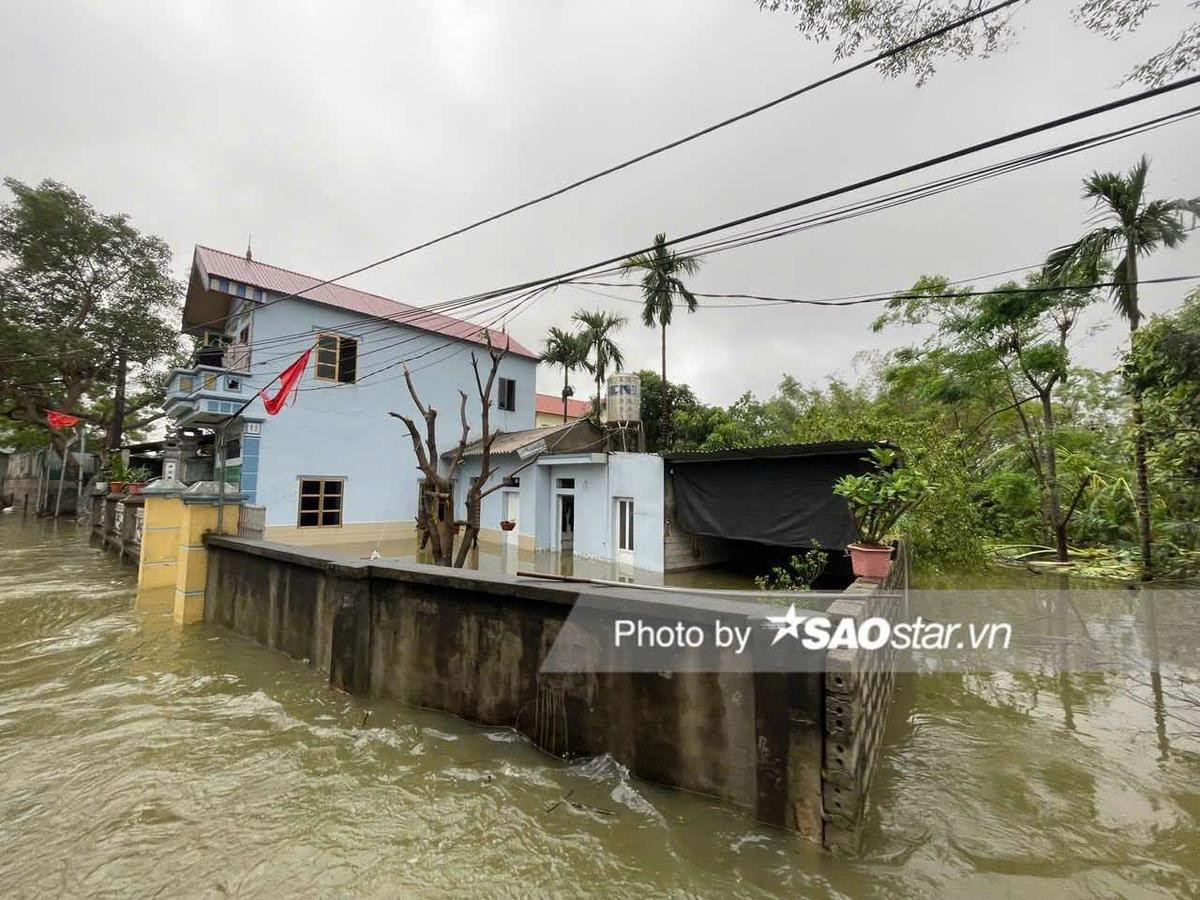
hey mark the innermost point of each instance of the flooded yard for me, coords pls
(139, 759)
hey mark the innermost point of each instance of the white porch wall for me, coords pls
(597, 485)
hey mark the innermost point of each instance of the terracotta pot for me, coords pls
(116, 487)
(507, 525)
(135, 488)
(871, 563)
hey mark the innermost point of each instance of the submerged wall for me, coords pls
(473, 644)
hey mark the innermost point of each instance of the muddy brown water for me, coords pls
(137, 759)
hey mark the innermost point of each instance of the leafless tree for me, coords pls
(437, 494)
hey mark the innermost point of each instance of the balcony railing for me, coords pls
(235, 357)
(213, 388)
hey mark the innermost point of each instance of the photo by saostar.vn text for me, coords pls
(815, 632)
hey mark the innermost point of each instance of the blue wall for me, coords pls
(598, 485)
(343, 430)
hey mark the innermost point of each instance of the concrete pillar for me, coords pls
(199, 518)
(160, 534)
(133, 506)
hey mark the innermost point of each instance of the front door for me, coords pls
(566, 522)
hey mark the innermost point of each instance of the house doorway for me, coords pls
(566, 523)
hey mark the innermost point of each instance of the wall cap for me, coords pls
(164, 487)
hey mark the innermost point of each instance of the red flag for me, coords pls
(288, 379)
(59, 420)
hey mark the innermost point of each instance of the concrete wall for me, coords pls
(343, 430)
(25, 480)
(473, 645)
(640, 476)
(859, 687)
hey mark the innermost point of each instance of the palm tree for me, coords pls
(1128, 223)
(662, 287)
(570, 351)
(598, 329)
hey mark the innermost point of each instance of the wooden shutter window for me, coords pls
(337, 358)
(327, 357)
(347, 360)
(320, 502)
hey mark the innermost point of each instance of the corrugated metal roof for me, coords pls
(775, 451)
(548, 403)
(558, 438)
(284, 281)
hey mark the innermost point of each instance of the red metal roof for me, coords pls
(548, 403)
(284, 281)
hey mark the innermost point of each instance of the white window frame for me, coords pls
(623, 528)
(512, 383)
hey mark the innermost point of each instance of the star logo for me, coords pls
(787, 624)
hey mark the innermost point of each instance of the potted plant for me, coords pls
(117, 473)
(138, 476)
(508, 525)
(878, 499)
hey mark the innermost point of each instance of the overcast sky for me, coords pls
(340, 133)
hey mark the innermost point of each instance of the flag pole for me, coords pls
(62, 476)
(37, 495)
(221, 477)
(79, 469)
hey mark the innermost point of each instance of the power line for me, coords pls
(864, 207)
(896, 199)
(938, 186)
(724, 123)
(908, 294)
(565, 276)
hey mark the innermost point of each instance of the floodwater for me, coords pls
(137, 759)
(506, 558)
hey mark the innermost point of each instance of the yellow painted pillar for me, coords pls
(160, 535)
(199, 518)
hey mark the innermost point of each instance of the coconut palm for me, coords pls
(598, 330)
(570, 351)
(662, 287)
(1128, 223)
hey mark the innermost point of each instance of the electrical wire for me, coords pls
(882, 202)
(641, 157)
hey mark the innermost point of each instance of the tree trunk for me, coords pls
(1054, 511)
(118, 418)
(566, 377)
(1142, 491)
(664, 416)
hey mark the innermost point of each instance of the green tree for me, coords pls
(83, 296)
(884, 25)
(662, 272)
(1164, 368)
(688, 414)
(1023, 332)
(599, 328)
(568, 351)
(1130, 224)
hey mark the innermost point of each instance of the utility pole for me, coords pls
(118, 419)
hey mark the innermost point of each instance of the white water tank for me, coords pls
(624, 398)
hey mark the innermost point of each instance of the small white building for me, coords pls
(566, 493)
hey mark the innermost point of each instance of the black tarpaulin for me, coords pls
(782, 501)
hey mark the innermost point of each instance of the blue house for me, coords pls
(332, 466)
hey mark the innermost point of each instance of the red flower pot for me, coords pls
(507, 525)
(135, 488)
(871, 563)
